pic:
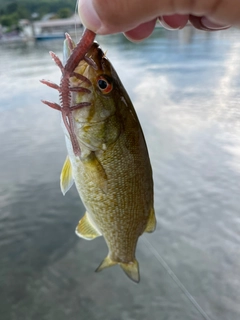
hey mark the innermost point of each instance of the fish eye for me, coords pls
(104, 85)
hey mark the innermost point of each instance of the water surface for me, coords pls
(185, 88)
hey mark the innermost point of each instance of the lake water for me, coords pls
(185, 87)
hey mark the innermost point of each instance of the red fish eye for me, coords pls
(104, 85)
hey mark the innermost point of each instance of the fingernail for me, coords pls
(133, 40)
(211, 25)
(165, 25)
(141, 32)
(88, 15)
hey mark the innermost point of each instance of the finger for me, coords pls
(174, 22)
(222, 12)
(108, 16)
(141, 32)
(213, 26)
(203, 23)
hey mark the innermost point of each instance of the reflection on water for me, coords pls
(185, 88)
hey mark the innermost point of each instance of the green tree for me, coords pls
(64, 13)
(9, 20)
(11, 7)
(13, 10)
(6, 21)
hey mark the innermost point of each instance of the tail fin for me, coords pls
(131, 269)
(106, 263)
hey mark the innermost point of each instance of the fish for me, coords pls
(108, 159)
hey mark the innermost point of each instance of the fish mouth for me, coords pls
(93, 56)
(96, 58)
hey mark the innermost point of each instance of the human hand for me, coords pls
(137, 18)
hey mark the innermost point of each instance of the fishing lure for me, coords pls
(65, 107)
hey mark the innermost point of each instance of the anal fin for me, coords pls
(86, 230)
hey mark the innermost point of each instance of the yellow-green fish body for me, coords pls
(113, 175)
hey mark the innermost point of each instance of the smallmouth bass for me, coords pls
(107, 160)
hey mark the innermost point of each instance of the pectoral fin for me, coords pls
(151, 225)
(96, 171)
(66, 179)
(86, 230)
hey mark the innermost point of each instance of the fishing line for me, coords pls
(81, 26)
(175, 279)
(75, 18)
